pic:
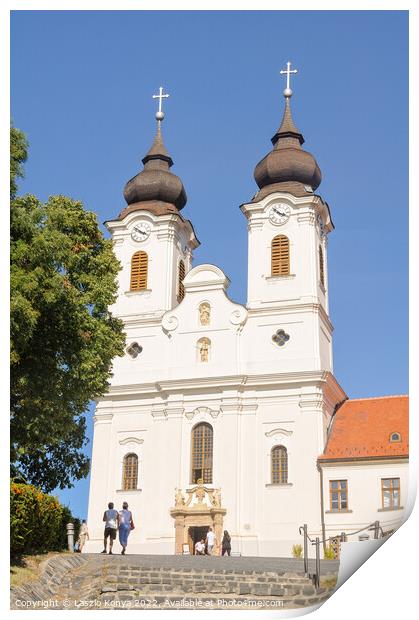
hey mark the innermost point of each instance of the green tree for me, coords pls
(63, 338)
(18, 155)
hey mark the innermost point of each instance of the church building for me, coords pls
(229, 416)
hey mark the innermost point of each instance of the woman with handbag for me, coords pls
(126, 524)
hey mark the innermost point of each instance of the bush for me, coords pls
(329, 553)
(37, 521)
(297, 551)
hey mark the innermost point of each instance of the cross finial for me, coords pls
(287, 72)
(160, 97)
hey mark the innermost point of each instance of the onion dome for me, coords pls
(287, 167)
(155, 188)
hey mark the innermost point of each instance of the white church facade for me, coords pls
(219, 414)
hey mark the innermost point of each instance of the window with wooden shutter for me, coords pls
(181, 288)
(280, 256)
(321, 264)
(279, 465)
(130, 472)
(139, 269)
(201, 457)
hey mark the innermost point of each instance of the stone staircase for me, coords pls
(129, 582)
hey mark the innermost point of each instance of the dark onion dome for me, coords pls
(155, 188)
(287, 167)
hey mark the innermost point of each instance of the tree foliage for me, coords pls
(18, 155)
(63, 338)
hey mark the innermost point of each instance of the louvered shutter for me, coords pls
(139, 268)
(280, 256)
(181, 288)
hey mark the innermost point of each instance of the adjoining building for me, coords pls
(229, 416)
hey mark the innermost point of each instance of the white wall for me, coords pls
(364, 495)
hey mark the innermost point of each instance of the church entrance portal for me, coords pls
(193, 516)
(196, 533)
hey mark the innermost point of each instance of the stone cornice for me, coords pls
(120, 227)
(240, 382)
(285, 308)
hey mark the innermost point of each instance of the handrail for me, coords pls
(371, 526)
(342, 536)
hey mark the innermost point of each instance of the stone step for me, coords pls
(257, 588)
(210, 575)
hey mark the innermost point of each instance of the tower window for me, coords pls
(134, 350)
(181, 276)
(279, 465)
(130, 472)
(201, 457)
(321, 265)
(280, 256)
(139, 269)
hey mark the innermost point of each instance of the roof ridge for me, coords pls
(350, 400)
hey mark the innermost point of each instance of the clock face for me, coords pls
(279, 214)
(141, 231)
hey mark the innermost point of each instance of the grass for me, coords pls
(27, 568)
(328, 582)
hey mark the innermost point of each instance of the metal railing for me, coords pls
(342, 537)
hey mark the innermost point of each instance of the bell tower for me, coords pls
(152, 240)
(288, 226)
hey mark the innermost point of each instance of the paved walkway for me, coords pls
(240, 563)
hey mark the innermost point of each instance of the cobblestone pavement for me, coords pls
(95, 581)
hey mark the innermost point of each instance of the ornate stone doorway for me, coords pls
(200, 510)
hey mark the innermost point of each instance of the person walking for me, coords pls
(126, 524)
(83, 536)
(210, 540)
(226, 544)
(110, 517)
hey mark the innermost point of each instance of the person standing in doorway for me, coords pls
(210, 540)
(110, 517)
(83, 536)
(126, 524)
(226, 543)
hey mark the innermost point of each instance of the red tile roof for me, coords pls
(361, 428)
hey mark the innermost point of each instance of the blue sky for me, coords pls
(81, 86)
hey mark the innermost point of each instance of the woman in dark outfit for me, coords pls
(226, 543)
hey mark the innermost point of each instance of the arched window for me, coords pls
(204, 347)
(279, 465)
(139, 269)
(181, 277)
(204, 313)
(201, 453)
(130, 472)
(321, 264)
(280, 256)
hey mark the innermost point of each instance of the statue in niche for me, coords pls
(204, 314)
(203, 349)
